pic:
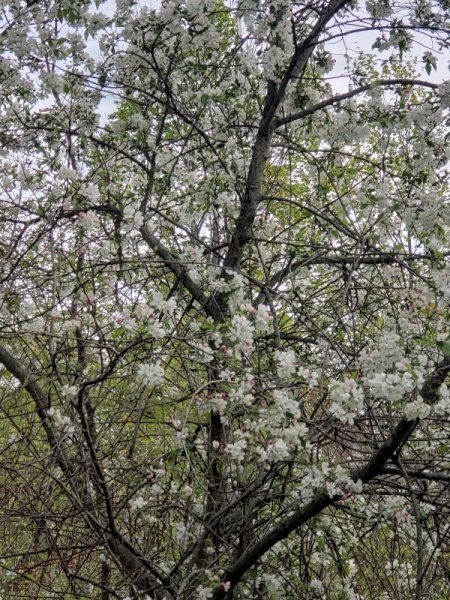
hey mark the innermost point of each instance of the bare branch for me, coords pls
(322, 500)
(301, 114)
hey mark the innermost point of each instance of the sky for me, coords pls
(353, 45)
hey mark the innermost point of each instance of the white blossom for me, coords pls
(151, 374)
(417, 409)
(286, 363)
(277, 450)
(88, 220)
(61, 421)
(137, 503)
(203, 593)
(67, 173)
(262, 318)
(348, 400)
(242, 332)
(91, 192)
(236, 450)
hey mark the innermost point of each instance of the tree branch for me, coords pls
(321, 499)
(209, 306)
(268, 123)
(301, 114)
(417, 474)
(129, 558)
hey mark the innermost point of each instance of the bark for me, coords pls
(373, 467)
(261, 149)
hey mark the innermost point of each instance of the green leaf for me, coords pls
(444, 347)
(118, 333)
(443, 450)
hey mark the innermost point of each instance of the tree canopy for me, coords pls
(224, 301)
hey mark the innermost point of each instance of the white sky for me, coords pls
(352, 45)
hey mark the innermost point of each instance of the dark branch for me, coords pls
(301, 114)
(180, 273)
(261, 148)
(322, 500)
(417, 474)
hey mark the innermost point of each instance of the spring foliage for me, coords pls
(224, 302)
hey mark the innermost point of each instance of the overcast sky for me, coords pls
(352, 45)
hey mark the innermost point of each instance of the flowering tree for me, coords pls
(224, 300)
